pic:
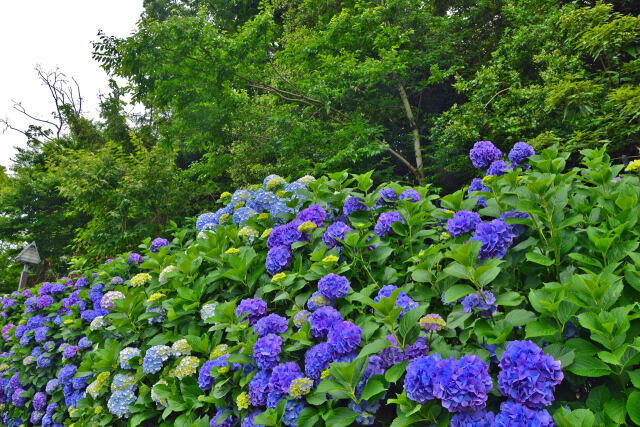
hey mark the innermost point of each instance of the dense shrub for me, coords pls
(332, 302)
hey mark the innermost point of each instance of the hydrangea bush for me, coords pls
(329, 301)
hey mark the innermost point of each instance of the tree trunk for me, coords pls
(414, 127)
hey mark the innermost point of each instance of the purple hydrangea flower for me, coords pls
(314, 213)
(498, 168)
(528, 375)
(322, 320)
(258, 388)
(385, 223)
(228, 422)
(387, 195)
(516, 229)
(335, 233)
(44, 301)
(393, 355)
(43, 361)
(419, 381)
(462, 385)
(473, 419)
(45, 289)
(66, 373)
(57, 288)
(157, 243)
(317, 359)
(266, 351)
(39, 401)
(463, 222)
(333, 286)
(344, 337)
(252, 309)
(70, 352)
(248, 420)
(40, 334)
(484, 303)
(496, 238)
(483, 154)
(134, 258)
(514, 414)
(520, 153)
(278, 259)
(81, 283)
(411, 195)
(52, 385)
(282, 376)
(285, 235)
(205, 380)
(353, 204)
(16, 399)
(271, 324)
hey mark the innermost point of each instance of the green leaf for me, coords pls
(456, 292)
(421, 276)
(616, 410)
(539, 329)
(341, 417)
(633, 407)
(394, 373)
(635, 378)
(374, 347)
(538, 258)
(456, 269)
(520, 317)
(308, 417)
(410, 319)
(587, 366)
(373, 388)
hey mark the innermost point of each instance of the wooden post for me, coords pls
(23, 277)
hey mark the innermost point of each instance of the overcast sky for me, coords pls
(53, 33)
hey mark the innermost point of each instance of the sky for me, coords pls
(53, 34)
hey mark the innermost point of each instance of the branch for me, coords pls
(414, 127)
(498, 93)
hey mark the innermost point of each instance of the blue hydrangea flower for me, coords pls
(344, 337)
(385, 223)
(84, 343)
(496, 238)
(207, 218)
(271, 324)
(462, 385)
(126, 355)
(277, 209)
(261, 201)
(335, 234)
(282, 375)
(154, 358)
(353, 204)
(228, 422)
(473, 419)
(17, 400)
(252, 309)
(393, 355)
(44, 301)
(300, 318)
(463, 222)
(403, 300)
(157, 243)
(258, 388)
(119, 401)
(285, 235)
(498, 168)
(242, 215)
(528, 375)
(39, 401)
(520, 153)
(483, 154)
(205, 380)
(52, 385)
(322, 320)
(82, 283)
(314, 213)
(514, 414)
(43, 361)
(333, 286)
(266, 351)
(278, 259)
(66, 373)
(292, 412)
(411, 195)
(316, 300)
(387, 195)
(70, 352)
(516, 229)
(156, 319)
(248, 420)
(317, 359)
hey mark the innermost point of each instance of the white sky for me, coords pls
(53, 33)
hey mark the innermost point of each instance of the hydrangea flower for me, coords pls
(393, 355)
(484, 303)
(17, 400)
(158, 243)
(252, 309)
(248, 420)
(188, 366)
(333, 286)
(300, 318)
(156, 319)
(70, 352)
(119, 401)
(278, 259)
(44, 301)
(258, 388)
(387, 195)
(52, 385)
(344, 337)
(432, 322)
(66, 373)
(242, 215)
(271, 324)
(528, 375)
(97, 323)
(322, 320)
(181, 348)
(463, 222)
(126, 355)
(292, 412)
(285, 235)
(162, 278)
(207, 218)
(154, 394)
(411, 195)
(205, 380)
(335, 233)
(496, 238)
(140, 279)
(314, 213)
(207, 311)
(316, 300)
(353, 204)
(300, 387)
(514, 414)
(266, 351)
(403, 300)
(43, 361)
(109, 299)
(116, 280)
(154, 358)
(134, 258)
(385, 223)
(498, 168)
(520, 153)
(483, 154)
(516, 229)
(473, 419)
(282, 376)
(317, 359)
(462, 384)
